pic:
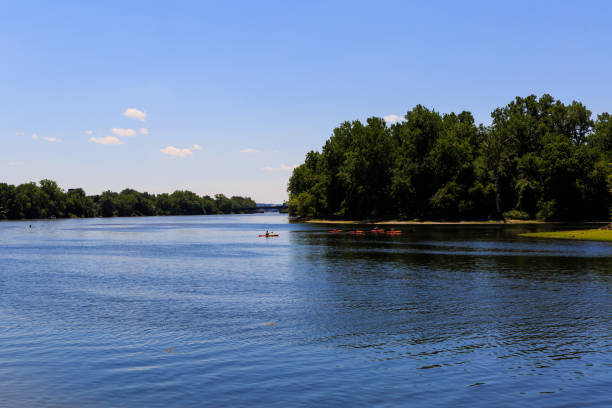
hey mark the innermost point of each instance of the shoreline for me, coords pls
(601, 235)
(397, 222)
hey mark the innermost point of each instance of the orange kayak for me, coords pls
(394, 232)
(357, 232)
(335, 231)
(268, 235)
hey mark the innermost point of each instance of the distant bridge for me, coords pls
(260, 208)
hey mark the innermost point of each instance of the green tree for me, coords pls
(223, 204)
(107, 204)
(7, 201)
(54, 201)
(209, 205)
(78, 204)
(538, 158)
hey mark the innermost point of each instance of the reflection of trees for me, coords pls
(438, 295)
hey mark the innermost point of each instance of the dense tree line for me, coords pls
(48, 200)
(539, 159)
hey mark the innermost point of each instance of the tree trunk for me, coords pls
(498, 198)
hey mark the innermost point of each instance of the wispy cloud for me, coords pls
(134, 113)
(52, 139)
(34, 136)
(248, 150)
(19, 134)
(108, 140)
(392, 118)
(282, 167)
(176, 152)
(89, 132)
(196, 147)
(123, 132)
(144, 131)
(14, 163)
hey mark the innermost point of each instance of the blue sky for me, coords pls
(242, 90)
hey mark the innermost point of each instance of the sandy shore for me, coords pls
(396, 222)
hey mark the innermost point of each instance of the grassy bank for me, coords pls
(581, 235)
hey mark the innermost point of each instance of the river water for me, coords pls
(200, 311)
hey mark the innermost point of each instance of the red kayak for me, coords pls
(268, 235)
(335, 231)
(394, 232)
(357, 232)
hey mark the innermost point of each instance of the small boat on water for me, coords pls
(268, 235)
(377, 230)
(394, 232)
(357, 232)
(335, 231)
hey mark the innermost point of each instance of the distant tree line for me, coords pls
(47, 200)
(539, 159)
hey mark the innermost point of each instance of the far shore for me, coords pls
(397, 222)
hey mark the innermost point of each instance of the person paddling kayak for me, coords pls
(269, 234)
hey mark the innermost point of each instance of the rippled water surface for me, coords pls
(199, 311)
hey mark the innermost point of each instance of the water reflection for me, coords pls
(480, 299)
(439, 316)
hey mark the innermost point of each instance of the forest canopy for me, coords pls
(48, 200)
(538, 159)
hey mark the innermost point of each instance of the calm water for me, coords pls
(199, 311)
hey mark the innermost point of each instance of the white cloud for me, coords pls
(89, 132)
(196, 147)
(15, 163)
(282, 167)
(52, 139)
(134, 113)
(34, 136)
(123, 132)
(392, 118)
(176, 152)
(144, 131)
(248, 150)
(108, 140)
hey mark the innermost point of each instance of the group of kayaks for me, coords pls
(374, 231)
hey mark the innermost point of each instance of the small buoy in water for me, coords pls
(271, 324)
(30, 225)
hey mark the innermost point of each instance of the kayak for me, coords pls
(394, 232)
(335, 231)
(377, 231)
(357, 232)
(268, 235)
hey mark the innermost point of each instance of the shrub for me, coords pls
(516, 215)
